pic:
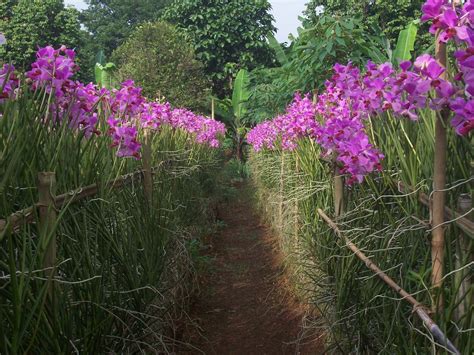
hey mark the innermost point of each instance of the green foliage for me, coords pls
(158, 58)
(236, 169)
(112, 21)
(277, 48)
(233, 112)
(391, 16)
(124, 269)
(406, 43)
(240, 94)
(227, 35)
(29, 24)
(361, 314)
(105, 75)
(109, 23)
(309, 60)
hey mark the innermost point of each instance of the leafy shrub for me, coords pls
(29, 24)
(308, 61)
(227, 35)
(157, 57)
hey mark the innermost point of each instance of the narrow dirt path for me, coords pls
(244, 307)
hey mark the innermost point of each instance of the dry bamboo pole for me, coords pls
(296, 216)
(27, 215)
(418, 308)
(47, 223)
(212, 108)
(296, 224)
(93, 189)
(147, 173)
(338, 193)
(439, 195)
(280, 207)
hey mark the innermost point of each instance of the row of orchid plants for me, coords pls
(336, 118)
(127, 111)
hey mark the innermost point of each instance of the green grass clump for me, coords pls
(124, 268)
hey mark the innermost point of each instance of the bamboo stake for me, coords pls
(47, 220)
(418, 308)
(338, 193)
(280, 207)
(296, 216)
(147, 173)
(439, 195)
(212, 108)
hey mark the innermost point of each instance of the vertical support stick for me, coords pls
(439, 195)
(147, 174)
(296, 216)
(280, 210)
(48, 216)
(338, 193)
(212, 108)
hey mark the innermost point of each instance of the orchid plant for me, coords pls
(336, 121)
(126, 109)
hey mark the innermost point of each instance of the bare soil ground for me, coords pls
(244, 306)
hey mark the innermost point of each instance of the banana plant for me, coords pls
(405, 43)
(104, 72)
(105, 75)
(232, 111)
(279, 52)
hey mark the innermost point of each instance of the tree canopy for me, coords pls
(308, 62)
(158, 58)
(28, 25)
(112, 21)
(391, 16)
(227, 35)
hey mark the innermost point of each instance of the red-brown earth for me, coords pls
(245, 305)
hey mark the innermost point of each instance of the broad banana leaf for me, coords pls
(100, 57)
(241, 93)
(105, 75)
(405, 43)
(280, 54)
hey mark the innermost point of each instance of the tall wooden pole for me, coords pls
(338, 193)
(212, 109)
(297, 212)
(47, 223)
(282, 188)
(439, 195)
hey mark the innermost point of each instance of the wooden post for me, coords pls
(338, 193)
(296, 216)
(280, 209)
(212, 108)
(439, 195)
(47, 223)
(297, 171)
(464, 296)
(147, 173)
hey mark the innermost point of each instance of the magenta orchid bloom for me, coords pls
(129, 111)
